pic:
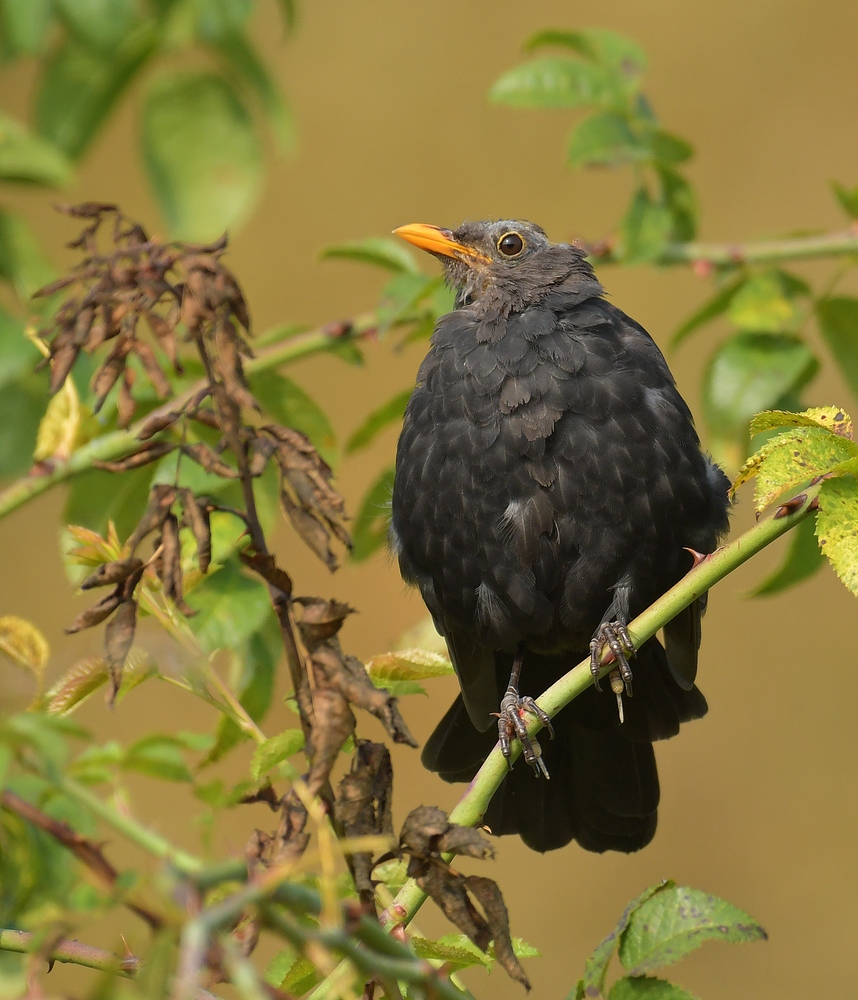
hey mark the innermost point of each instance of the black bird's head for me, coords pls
(504, 266)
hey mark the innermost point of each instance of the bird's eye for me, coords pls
(510, 244)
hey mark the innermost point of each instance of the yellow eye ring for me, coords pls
(511, 244)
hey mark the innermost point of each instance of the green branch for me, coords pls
(117, 444)
(473, 804)
(762, 251)
(72, 952)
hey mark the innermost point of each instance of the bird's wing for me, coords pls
(475, 668)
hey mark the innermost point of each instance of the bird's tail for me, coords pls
(603, 791)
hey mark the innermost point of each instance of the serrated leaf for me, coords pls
(79, 88)
(399, 672)
(558, 82)
(159, 757)
(838, 323)
(837, 527)
(377, 250)
(673, 923)
(847, 197)
(711, 309)
(201, 152)
(370, 526)
(290, 406)
(830, 417)
(24, 644)
(600, 45)
(605, 140)
(24, 26)
(596, 967)
(796, 456)
(231, 607)
(270, 753)
(647, 988)
(456, 949)
(803, 559)
(751, 372)
(765, 303)
(391, 412)
(301, 978)
(646, 229)
(76, 685)
(26, 157)
(279, 966)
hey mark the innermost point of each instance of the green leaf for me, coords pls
(673, 923)
(646, 228)
(796, 456)
(201, 152)
(400, 670)
(231, 607)
(22, 261)
(837, 527)
(647, 988)
(711, 309)
(99, 24)
(79, 88)
(287, 402)
(558, 82)
(24, 26)
(802, 560)
(380, 251)
(838, 323)
(301, 978)
(596, 968)
(270, 753)
(392, 411)
(370, 526)
(457, 949)
(159, 757)
(602, 46)
(847, 197)
(832, 418)
(244, 61)
(278, 966)
(605, 139)
(748, 373)
(765, 303)
(220, 18)
(669, 150)
(22, 395)
(678, 198)
(26, 157)
(96, 497)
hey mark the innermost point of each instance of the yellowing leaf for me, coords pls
(797, 456)
(837, 527)
(833, 418)
(76, 685)
(60, 426)
(399, 672)
(24, 644)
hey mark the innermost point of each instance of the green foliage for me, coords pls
(369, 532)
(659, 928)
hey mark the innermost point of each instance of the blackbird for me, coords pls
(549, 480)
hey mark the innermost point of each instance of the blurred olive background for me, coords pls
(759, 800)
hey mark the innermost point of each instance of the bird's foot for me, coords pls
(511, 725)
(616, 637)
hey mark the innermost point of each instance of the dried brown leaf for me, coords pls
(311, 529)
(203, 455)
(118, 637)
(97, 613)
(62, 360)
(320, 619)
(125, 405)
(157, 422)
(197, 518)
(265, 565)
(160, 382)
(151, 453)
(161, 499)
(112, 572)
(332, 723)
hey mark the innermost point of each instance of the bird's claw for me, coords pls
(616, 637)
(511, 725)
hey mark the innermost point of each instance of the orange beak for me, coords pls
(439, 241)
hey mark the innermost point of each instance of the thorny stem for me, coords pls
(72, 952)
(117, 444)
(473, 804)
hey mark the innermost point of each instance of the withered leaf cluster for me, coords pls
(426, 835)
